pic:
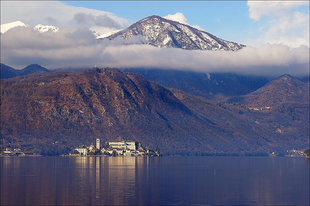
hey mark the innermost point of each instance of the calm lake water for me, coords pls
(154, 181)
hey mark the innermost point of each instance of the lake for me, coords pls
(154, 180)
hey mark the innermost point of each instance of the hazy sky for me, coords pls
(276, 33)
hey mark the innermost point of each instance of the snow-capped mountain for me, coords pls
(161, 32)
(44, 28)
(40, 28)
(11, 25)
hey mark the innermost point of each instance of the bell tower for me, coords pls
(97, 143)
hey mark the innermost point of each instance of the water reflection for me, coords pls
(154, 181)
(121, 179)
(107, 180)
(97, 177)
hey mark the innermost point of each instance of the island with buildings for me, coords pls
(115, 148)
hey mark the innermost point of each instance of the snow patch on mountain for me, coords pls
(11, 25)
(45, 28)
(101, 36)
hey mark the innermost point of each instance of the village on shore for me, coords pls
(115, 148)
(111, 148)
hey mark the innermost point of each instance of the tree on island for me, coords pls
(98, 152)
(114, 153)
(157, 151)
(307, 152)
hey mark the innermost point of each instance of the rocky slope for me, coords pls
(161, 32)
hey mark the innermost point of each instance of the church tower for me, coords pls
(97, 143)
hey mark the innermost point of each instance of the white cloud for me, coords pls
(179, 17)
(257, 9)
(78, 48)
(270, 60)
(285, 24)
(59, 14)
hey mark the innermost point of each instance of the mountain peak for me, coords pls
(152, 17)
(285, 88)
(160, 32)
(34, 68)
(287, 79)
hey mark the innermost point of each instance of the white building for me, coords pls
(124, 145)
(82, 150)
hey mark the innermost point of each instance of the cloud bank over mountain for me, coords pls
(77, 48)
(60, 14)
(74, 45)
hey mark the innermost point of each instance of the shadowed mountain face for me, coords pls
(73, 108)
(9, 72)
(161, 32)
(209, 85)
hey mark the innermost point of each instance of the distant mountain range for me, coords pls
(216, 86)
(74, 108)
(9, 72)
(161, 32)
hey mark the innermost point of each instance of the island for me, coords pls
(115, 148)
